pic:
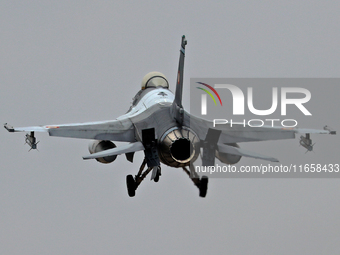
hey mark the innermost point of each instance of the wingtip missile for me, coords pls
(9, 127)
(331, 131)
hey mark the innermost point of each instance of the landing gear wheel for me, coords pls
(156, 179)
(158, 174)
(203, 186)
(131, 185)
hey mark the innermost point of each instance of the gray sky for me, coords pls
(63, 61)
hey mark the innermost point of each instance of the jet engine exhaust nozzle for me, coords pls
(178, 146)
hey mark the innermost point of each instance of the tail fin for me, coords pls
(177, 108)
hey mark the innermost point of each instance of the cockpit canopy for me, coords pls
(154, 79)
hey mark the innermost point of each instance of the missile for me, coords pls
(306, 142)
(31, 141)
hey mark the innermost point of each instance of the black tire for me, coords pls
(131, 185)
(158, 174)
(203, 186)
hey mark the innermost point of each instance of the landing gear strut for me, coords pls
(132, 183)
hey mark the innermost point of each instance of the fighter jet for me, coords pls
(158, 125)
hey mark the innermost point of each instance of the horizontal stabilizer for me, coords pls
(240, 152)
(131, 147)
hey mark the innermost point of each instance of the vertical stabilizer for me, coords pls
(177, 108)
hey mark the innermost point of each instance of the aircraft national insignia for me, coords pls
(162, 94)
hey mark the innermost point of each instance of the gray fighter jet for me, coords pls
(157, 124)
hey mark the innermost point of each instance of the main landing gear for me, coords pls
(132, 183)
(200, 183)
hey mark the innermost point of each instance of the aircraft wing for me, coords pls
(115, 130)
(237, 133)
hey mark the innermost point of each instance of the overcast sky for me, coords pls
(76, 61)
